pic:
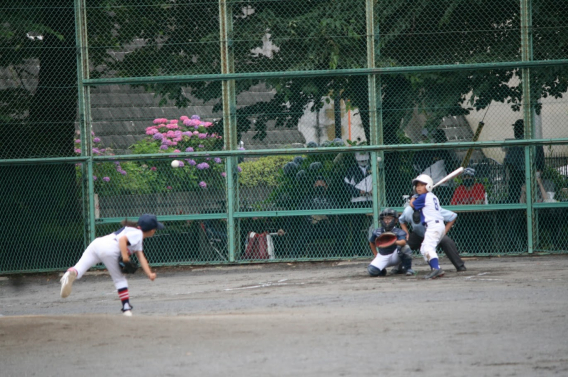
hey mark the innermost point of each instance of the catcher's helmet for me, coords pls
(426, 179)
(388, 212)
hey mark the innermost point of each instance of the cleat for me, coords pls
(396, 270)
(461, 269)
(127, 313)
(435, 274)
(67, 283)
(410, 272)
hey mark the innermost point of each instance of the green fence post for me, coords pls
(84, 108)
(375, 112)
(528, 115)
(229, 124)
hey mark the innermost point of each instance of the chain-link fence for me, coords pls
(292, 125)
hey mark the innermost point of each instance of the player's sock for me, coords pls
(125, 299)
(434, 264)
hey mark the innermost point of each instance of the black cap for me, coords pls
(148, 222)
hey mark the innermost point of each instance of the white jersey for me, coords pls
(429, 207)
(133, 235)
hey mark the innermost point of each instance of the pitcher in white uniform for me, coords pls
(107, 249)
(432, 220)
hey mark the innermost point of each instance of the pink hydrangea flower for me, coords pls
(196, 132)
(160, 120)
(78, 150)
(106, 179)
(173, 121)
(183, 117)
(207, 124)
(97, 140)
(78, 141)
(169, 187)
(153, 168)
(202, 184)
(187, 133)
(94, 177)
(202, 136)
(177, 150)
(223, 174)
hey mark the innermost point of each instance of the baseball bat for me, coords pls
(453, 174)
(465, 161)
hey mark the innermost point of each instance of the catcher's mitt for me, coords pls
(129, 267)
(385, 240)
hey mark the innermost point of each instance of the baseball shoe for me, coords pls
(461, 269)
(410, 272)
(127, 313)
(396, 270)
(67, 283)
(435, 274)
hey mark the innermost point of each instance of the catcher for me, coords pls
(388, 244)
(114, 251)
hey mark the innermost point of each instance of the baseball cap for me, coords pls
(148, 222)
(469, 171)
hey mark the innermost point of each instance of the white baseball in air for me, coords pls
(175, 164)
(379, 159)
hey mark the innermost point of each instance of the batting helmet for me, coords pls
(426, 179)
(388, 212)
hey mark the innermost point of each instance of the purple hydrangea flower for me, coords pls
(169, 187)
(223, 174)
(202, 184)
(96, 151)
(217, 160)
(163, 147)
(94, 177)
(158, 136)
(203, 165)
(239, 169)
(189, 149)
(186, 133)
(122, 172)
(191, 162)
(97, 140)
(200, 146)
(106, 179)
(181, 164)
(195, 117)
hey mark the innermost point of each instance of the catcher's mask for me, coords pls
(388, 212)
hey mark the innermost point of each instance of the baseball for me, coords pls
(175, 164)
(379, 159)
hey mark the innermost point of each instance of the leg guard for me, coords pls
(405, 254)
(374, 271)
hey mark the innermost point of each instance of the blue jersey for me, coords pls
(429, 207)
(400, 235)
(418, 228)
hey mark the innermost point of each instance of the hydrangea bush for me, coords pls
(168, 136)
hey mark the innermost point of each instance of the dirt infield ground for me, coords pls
(503, 317)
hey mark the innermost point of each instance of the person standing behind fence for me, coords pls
(470, 191)
(107, 250)
(515, 163)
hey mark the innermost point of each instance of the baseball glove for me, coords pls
(129, 267)
(386, 239)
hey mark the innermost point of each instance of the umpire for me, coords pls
(416, 237)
